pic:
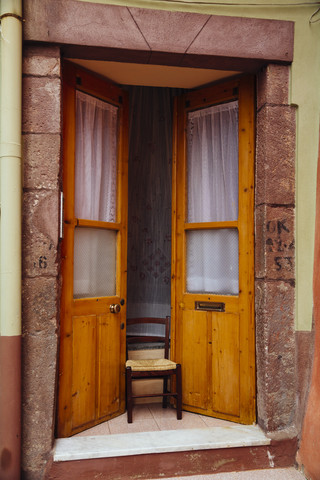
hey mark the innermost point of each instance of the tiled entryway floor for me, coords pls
(152, 418)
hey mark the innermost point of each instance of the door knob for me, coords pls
(115, 308)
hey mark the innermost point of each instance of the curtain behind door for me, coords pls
(149, 223)
(212, 145)
(96, 159)
(95, 196)
(212, 196)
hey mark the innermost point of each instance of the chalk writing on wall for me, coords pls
(280, 245)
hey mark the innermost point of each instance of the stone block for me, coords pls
(275, 246)
(275, 302)
(273, 85)
(82, 23)
(276, 142)
(41, 161)
(179, 29)
(38, 401)
(41, 61)
(247, 38)
(275, 346)
(40, 233)
(40, 305)
(41, 105)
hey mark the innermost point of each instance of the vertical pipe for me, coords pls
(10, 239)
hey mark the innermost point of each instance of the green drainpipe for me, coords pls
(10, 238)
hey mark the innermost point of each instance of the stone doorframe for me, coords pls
(139, 41)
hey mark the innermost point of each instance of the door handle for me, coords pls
(115, 308)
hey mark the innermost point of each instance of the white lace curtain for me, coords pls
(212, 255)
(96, 159)
(95, 196)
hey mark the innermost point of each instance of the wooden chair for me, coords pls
(153, 368)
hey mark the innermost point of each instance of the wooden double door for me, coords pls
(212, 313)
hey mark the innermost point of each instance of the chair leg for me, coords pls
(165, 390)
(129, 394)
(179, 392)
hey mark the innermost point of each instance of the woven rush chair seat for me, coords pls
(151, 365)
(153, 368)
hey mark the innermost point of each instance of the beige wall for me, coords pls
(305, 94)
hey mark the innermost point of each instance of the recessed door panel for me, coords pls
(195, 353)
(108, 352)
(84, 369)
(226, 364)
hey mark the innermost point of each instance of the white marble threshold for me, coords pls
(126, 444)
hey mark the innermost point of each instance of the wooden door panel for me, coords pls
(108, 351)
(215, 348)
(225, 364)
(195, 359)
(92, 340)
(84, 369)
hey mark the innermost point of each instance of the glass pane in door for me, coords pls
(212, 149)
(94, 262)
(212, 261)
(95, 159)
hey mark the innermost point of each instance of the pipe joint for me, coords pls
(4, 15)
(10, 150)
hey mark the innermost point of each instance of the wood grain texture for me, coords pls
(92, 340)
(220, 344)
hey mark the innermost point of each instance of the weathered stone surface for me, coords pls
(72, 22)
(41, 105)
(275, 347)
(247, 38)
(275, 252)
(41, 61)
(39, 354)
(179, 29)
(40, 233)
(275, 172)
(275, 246)
(273, 85)
(304, 358)
(40, 305)
(41, 161)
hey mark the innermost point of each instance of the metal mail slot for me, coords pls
(210, 306)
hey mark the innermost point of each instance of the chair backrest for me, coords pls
(138, 338)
